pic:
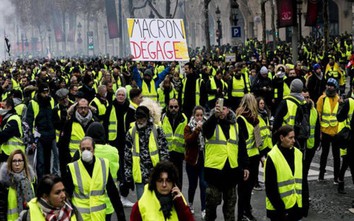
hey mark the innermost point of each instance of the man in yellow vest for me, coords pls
(136, 98)
(148, 83)
(100, 102)
(73, 131)
(87, 182)
(40, 117)
(327, 107)
(226, 161)
(11, 130)
(238, 87)
(145, 146)
(216, 87)
(173, 124)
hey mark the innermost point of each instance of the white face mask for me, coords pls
(86, 156)
(3, 111)
(141, 125)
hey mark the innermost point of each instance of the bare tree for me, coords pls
(264, 40)
(325, 24)
(275, 39)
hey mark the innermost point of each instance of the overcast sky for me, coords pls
(6, 10)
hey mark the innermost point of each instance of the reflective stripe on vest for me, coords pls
(289, 118)
(289, 185)
(218, 149)
(152, 93)
(313, 119)
(37, 214)
(35, 108)
(161, 96)
(13, 143)
(153, 151)
(213, 87)
(77, 133)
(150, 207)
(265, 134)
(175, 139)
(252, 150)
(90, 191)
(329, 116)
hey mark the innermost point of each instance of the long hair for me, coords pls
(25, 162)
(248, 103)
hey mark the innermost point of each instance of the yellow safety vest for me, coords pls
(218, 149)
(238, 87)
(213, 87)
(110, 153)
(12, 211)
(19, 109)
(175, 139)
(152, 94)
(36, 212)
(313, 119)
(150, 207)
(153, 151)
(289, 185)
(161, 96)
(289, 118)
(89, 192)
(265, 134)
(14, 142)
(77, 133)
(57, 132)
(113, 124)
(329, 117)
(101, 107)
(252, 150)
(197, 90)
(35, 108)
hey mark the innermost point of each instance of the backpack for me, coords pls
(302, 120)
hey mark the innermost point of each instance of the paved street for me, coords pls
(326, 203)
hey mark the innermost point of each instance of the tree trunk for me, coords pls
(206, 25)
(325, 25)
(168, 8)
(264, 40)
(275, 40)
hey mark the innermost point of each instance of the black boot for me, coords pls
(341, 187)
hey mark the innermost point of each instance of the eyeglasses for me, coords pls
(17, 161)
(174, 106)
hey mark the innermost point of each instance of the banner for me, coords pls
(286, 13)
(57, 24)
(312, 13)
(157, 39)
(112, 23)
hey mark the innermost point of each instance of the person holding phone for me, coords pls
(162, 199)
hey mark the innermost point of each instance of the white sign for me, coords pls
(157, 39)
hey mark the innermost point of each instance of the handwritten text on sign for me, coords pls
(157, 39)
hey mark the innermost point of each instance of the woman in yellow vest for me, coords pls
(51, 202)
(286, 190)
(162, 199)
(17, 176)
(248, 122)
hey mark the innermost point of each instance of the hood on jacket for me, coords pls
(5, 178)
(97, 132)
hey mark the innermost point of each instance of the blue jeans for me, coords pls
(139, 188)
(44, 151)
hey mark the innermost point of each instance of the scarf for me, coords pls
(22, 185)
(298, 96)
(166, 204)
(55, 214)
(83, 120)
(331, 93)
(192, 124)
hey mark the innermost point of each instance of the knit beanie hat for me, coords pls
(142, 112)
(332, 82)
(264, 70)
(296, 86)
(148, 72)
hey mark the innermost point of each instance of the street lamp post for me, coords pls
(79, 39)
(49, 42)
(105, 39)
(219, 29)
(151, 15)
(299, 4)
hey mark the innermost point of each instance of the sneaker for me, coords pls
(203, 214)
(258, 187)
(335, 181)
(126, 202)
(191, 207)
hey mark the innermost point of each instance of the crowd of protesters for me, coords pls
(222, 118)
